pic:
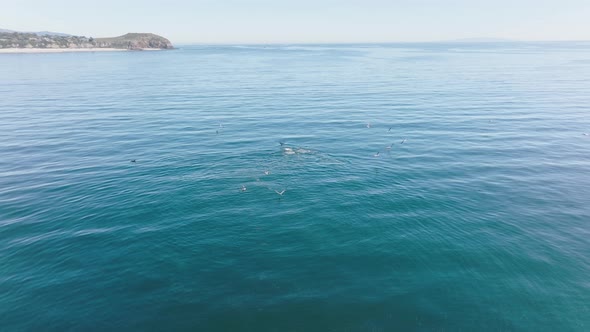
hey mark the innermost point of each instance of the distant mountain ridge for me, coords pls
(50, 33)
(482, 40)
(38, 33)
(53, 40)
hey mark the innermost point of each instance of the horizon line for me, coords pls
(458, 41)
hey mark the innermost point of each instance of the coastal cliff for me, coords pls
(133, 41)
(130, 41)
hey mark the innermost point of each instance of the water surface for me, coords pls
(478, 221)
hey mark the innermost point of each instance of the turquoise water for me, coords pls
(480, 220)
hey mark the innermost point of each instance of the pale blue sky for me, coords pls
(271, 21)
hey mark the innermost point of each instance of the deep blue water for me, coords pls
(480, 220)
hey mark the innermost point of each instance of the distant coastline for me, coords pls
(27, 42)
(68, 50)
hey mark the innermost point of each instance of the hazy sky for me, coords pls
(268, 21)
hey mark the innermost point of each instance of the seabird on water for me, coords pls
(280, 193)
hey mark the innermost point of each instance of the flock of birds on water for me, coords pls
(293, 151)
(290, 151)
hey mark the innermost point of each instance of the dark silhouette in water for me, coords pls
(134, 160)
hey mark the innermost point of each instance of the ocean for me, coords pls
(377, 187)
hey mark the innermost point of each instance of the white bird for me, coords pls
(220, 125)
(586, 134)
(377, 154)
(243, 188)
(280, 193)
(404, 141)
(369, 125)
(389, 147)
(266, 172)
